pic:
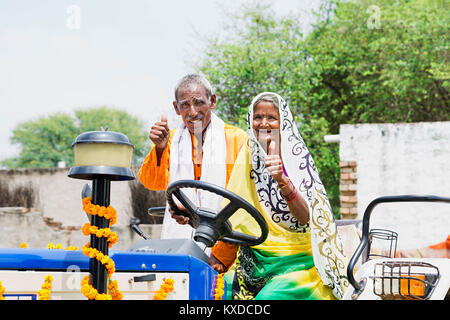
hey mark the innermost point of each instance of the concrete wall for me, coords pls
(394, 159)
(18, 225)
(60, 196)
(58, 216)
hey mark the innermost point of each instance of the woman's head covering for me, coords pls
(301, 170)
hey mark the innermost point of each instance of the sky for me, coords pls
(62, 55)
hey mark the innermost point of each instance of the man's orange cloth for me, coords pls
(155, 176)
(439, 250)
(443, 248)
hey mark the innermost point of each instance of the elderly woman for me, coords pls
(302, 257)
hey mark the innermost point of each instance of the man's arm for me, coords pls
(154, 172)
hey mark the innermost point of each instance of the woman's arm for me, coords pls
(297, 205)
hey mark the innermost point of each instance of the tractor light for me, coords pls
(105, 153)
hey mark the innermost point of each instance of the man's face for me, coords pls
(194, 107)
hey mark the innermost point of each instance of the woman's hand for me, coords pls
(274, 164)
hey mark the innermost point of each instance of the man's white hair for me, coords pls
(194, 78)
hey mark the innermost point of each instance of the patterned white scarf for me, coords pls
(299, 165)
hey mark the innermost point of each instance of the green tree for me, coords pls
(47, 140)
(364, 61)
(44, 142)
(379, 61)
(262, 53)
(266, 53)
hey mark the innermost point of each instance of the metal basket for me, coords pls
(383, 235)
(408, 280)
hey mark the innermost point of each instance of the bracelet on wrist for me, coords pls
(291, 196)
(284, 185)
(292, 199)
(281, 184)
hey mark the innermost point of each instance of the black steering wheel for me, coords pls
(211, 226)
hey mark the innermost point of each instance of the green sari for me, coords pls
(261, 277)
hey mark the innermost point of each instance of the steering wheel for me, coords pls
(211, 226)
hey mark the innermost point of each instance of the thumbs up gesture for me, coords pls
(159, 134)
(273, 161)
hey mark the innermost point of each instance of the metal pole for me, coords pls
(101, 196)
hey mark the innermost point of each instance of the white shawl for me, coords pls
(181, 167)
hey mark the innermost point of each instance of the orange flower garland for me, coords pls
(2, 291)
(44, 293)
(166, 287)
(108, 213)
(103, 258)
(52, 246)
(111, 237)
(91, 293)
(59, 246)
(220, 285)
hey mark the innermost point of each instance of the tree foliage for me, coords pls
(44, 142)
(47, 140)
(380, 61)
(363, 62)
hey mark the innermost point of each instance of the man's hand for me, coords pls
(180, 218)
(216, 264)
(159, 134)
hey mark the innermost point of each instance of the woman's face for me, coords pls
(266, 122)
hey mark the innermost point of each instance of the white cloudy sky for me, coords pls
(125, 54)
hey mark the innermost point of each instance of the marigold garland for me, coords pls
(110, 214)
(71, 248)
(52, 246)
(2, 291)
(111, 237)
(59, 246)
(166, 287)
(44, 293)
(103, 258)
(91, 293)
(220, 285)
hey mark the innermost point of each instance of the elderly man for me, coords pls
(203, 148)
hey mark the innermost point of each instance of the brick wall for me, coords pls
(347, 188)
